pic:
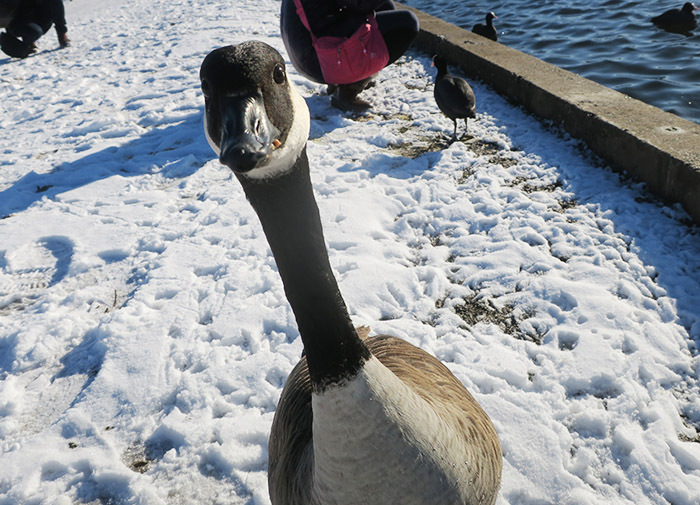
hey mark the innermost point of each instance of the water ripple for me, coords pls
(611, 42)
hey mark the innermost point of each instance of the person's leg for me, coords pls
(297, 40)
(345, 96)
(28, 32)
(399, 28)
(11, 44)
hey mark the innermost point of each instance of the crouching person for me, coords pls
(344, 43)
(32, 19)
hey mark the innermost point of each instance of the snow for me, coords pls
(144, 332)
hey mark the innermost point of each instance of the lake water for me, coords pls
(611, 42)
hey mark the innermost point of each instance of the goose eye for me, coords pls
(278, 74)
(205, 87)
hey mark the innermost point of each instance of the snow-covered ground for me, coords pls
(144, 333)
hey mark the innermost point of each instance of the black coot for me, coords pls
(682, 19)
(453, 95)
(487, 30)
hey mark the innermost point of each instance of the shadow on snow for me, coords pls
(174, 152)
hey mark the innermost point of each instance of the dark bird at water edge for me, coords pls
(487, 30)
(453, 95)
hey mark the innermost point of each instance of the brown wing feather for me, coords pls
(290, 450)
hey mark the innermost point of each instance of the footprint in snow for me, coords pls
(27, 271)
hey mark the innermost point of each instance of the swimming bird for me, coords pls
(487, 30)
(360, 421)
(453, 95)
(678, 19)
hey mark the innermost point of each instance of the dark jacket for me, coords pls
(43, 13)
(7, 11)
(337, 18)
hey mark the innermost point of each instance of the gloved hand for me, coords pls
(63, 40)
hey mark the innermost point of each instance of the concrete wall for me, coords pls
(647, 143)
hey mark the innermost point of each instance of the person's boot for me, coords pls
(371, 81)
(14, 47)
(345, 97)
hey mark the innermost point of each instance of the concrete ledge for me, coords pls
(647, 143)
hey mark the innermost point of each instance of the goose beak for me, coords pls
(247, 135)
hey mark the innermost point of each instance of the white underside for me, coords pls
(377, 442)
(212, 144)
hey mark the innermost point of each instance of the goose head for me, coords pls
(254, 118)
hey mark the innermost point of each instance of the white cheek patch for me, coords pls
(212, 144)
(283, 158)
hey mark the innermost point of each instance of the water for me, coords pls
(611, 42)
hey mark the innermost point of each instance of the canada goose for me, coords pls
(453, 95)
(487, 30)
(361, 421)
(679, 19)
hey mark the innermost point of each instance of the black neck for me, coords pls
(289, 215)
